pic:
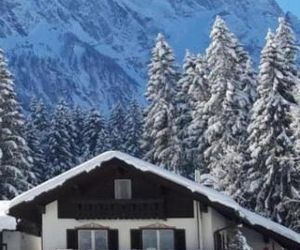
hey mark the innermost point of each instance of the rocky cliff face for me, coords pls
(95, 53)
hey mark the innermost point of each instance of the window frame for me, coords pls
(118, 195)
(157, 231)
(92, 231)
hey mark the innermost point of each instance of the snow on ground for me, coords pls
(6, 222)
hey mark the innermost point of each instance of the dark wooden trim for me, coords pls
(72, 238)
(180, 239)
(113, 239)
(112, 209)
(136, 241)
(28, 227)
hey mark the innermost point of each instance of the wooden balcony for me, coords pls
(120, 209)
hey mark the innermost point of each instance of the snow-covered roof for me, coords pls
(6, 222)
(213, 196)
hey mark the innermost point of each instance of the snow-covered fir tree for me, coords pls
(36, 137)
(78, 119)
(183, 116)
(246, 76)
(286, 42)
(160, 142)
(15, 161)
(229, 104)
(36, 152)
(198, 95)
(134, 129)
(60, 148)
(117, 128)
(39, 115)
(271, 178)
(291, 205)
(94, 134)
(235, 158)
(238, 241)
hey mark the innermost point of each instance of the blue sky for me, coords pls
(290, 5)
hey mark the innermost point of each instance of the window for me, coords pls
(162, 239)
(222, 241)
(123, 189)
(92, 239)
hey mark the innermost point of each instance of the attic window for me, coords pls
(123, 189)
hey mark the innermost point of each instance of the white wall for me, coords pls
(21, 241)
(212, 221)
(12, 239)
(54, 229)
(52, 225)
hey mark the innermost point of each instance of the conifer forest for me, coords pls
(234, 123)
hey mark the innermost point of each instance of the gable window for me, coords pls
(158, 239)
(123, 189)
(92, 239)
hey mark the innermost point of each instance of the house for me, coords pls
(116, 201)
(13, 237)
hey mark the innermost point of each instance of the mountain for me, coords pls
(95, 53)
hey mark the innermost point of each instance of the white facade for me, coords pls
(199, 230)
(52, 224)
(15, 240)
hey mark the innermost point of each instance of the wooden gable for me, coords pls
(93, 197)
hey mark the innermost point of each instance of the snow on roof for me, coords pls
(6, 222)
(212, 195)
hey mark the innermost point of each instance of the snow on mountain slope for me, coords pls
(95, 53)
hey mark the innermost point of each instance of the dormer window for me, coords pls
(123, 189)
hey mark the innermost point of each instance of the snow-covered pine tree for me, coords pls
(39, 115)
(229, 104)
(117, 128)
(271, 179)
(286, 42)
(198, 95)
(60, 148)
(238, 241)
(291, 206)
(247, 76)
(36, 152)
(94, 134)
(15, 160)
(160, 143)
(183, 115)
(79, 117)
(134, 129)
(290, 90)
(36, 137)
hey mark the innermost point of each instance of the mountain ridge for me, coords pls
(96, 53)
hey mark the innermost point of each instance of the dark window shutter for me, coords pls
(218, 241)
(113, 239)
(72, 239)
(136, 239)
(180, 243)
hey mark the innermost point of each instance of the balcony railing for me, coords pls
(120, 209)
